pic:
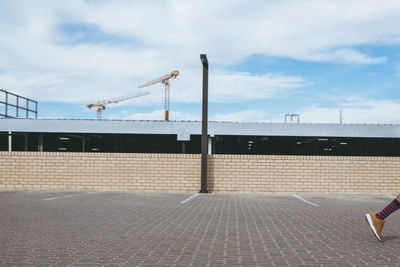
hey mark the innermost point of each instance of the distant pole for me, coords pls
(9, 141)
(204, 134)
(340, 116)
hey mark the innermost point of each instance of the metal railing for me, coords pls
(9, 107)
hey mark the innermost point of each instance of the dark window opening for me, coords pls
(3, 141)
(221, 144)
(24, 141)
(59, 142)
(114, 143)
(140, 143)
(285, 145)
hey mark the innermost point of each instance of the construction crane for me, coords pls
(101, 105)
(165, 80)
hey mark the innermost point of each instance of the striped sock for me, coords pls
(389, 209)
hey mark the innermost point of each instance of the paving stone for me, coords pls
(146, 229)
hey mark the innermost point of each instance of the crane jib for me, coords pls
(164, 80)
(101, 104)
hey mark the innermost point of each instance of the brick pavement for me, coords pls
(153, 229)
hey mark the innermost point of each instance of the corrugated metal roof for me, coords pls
(183, 129)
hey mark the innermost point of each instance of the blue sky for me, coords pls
(267, 58)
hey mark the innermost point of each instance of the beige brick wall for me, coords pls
(99, 171)
(304, 173)
(177, 172)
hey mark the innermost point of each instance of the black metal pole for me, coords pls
(204, 134)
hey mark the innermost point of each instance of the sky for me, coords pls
(266, 59)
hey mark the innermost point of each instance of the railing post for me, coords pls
(9, 141)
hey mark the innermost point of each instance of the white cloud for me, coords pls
(36, 61)
(230, 30)
(356, 110)
(231, 87)
(347, 55)
(240, 86)
(159, 115)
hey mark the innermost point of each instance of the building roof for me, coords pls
(183, 129)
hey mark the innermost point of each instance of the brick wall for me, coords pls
(176, 172)
(304, 173)
(97, 171)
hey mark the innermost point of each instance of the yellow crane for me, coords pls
(165, 80)
(101, 105)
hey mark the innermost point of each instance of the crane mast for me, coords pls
(101, 105)
(165, 80)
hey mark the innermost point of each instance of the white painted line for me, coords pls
(306, 201)
(390, 196)
(74, 195)
(189, 198)
(94, 192)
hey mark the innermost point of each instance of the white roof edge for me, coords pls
(219, 122)
(183, 129)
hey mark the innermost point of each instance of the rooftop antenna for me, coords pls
(291, 116)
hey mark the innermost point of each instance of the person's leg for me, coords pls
(376, 220)
(389, 209)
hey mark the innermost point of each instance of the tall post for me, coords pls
(204, 134)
